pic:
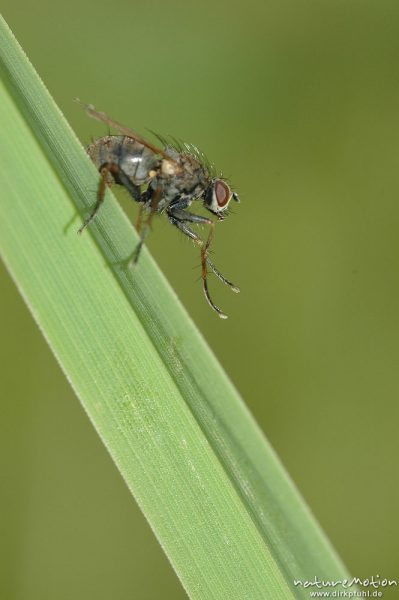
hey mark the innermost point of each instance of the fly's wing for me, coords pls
(101, 116)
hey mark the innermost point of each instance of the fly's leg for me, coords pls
(178, 217)
(181, 215)
(121, 178)
(190, 233)
(147, 200)
(234, 288)
(139, 220)
(100, 197)
(205, 257)
(145, 230)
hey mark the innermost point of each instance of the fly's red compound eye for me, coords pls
(217, 197)
(222, 193)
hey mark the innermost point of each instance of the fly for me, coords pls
(163, 180)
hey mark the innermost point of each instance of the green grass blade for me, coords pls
(220, 503)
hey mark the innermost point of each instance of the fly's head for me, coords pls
(217, 197)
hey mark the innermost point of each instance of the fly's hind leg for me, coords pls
(105, 169)
(178, 217)
(121, 178)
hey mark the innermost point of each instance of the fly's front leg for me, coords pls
(183, 216)
(178, 217)
(190, 233)
(205, 257)
(234, 288)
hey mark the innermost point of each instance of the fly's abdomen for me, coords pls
(135, 160)
(105, 150)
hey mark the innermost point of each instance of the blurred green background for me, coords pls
(298, 103)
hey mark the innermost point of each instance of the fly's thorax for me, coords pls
(193, 175)
(184, 186)
(169, 168)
